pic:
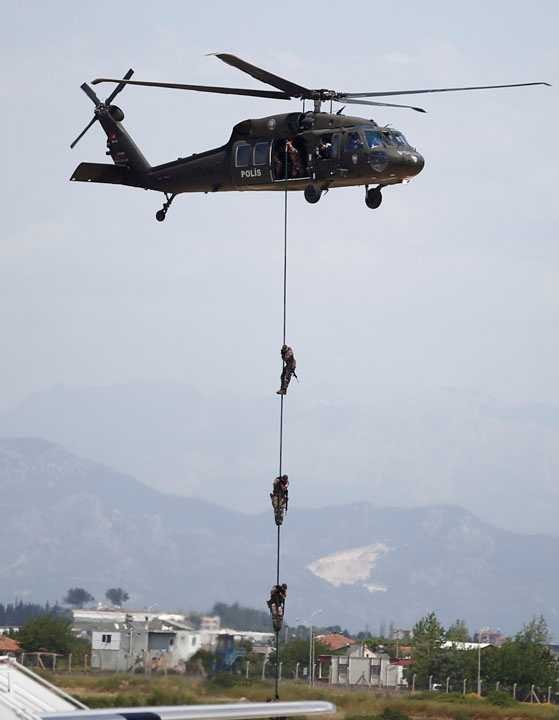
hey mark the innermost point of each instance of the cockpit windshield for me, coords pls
(378, 138)
(394, 137)
(374, 138)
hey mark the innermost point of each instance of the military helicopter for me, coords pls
(311, 151)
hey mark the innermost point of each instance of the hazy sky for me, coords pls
(452, 282)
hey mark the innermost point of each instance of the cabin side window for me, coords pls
(242, 155)
(261, 153)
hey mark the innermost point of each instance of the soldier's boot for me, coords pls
(281, 391)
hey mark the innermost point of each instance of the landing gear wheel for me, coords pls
(373, 198)
(312, 194)
(161, 214)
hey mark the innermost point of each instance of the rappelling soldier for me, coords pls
(279, 497)
(276, 605)
(289, 365)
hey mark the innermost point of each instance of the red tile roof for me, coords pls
(335, 641)
(7, 644)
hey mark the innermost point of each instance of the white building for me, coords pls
(123, 641)
(360, 666)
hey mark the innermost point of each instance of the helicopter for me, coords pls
(310, 151)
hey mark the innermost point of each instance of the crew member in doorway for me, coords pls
(289, 365)
(294, 158)
(279, 497)
(324, 149)
(276, 605)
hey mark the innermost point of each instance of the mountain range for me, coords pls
(397, 448)
(68, 521)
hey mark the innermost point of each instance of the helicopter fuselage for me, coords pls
(292, 151)
(311, 151)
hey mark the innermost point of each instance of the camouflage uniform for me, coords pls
(289, 365)
(276, 605)
(279, 497)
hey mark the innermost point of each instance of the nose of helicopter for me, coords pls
(414, 163)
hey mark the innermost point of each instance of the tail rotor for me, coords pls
(101, 106)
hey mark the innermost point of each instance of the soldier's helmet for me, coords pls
(283, 348)
(284, 586)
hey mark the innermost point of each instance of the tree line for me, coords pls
(524, 659)
(19, 612)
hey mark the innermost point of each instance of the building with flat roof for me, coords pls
(120, 643)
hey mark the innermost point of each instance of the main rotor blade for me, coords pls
(352, 101)
(90, 94)
(264, 76)
(199, 88)
(119, 87)
(437, 90)
(83, 132)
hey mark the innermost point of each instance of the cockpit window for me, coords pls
(374, 138)
(396, 138)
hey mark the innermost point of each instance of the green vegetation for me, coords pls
(78, 597)
(51, 633)
(501, 698)
(117, 596)
(393, 713)
(126, 690)
(242, 618)
(524, 660)
(18, 613)
(458, 631)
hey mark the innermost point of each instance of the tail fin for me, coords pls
(120, 146)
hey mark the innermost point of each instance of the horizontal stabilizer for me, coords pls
(103, 173)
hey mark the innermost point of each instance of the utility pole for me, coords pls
(311, 658)
(479, 664)
(311, 644)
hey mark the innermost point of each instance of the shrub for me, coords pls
(392, 713)
(501, 698)
(224, 681)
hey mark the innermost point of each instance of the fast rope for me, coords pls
(282, 397)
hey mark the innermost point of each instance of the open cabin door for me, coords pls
(290, 160)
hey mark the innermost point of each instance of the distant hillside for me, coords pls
(68, 521)
(443, 447)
